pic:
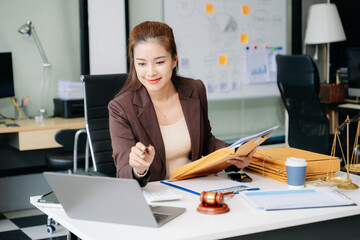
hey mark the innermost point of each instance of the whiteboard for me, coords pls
(229, 44)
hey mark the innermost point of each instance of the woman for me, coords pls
(159, 121)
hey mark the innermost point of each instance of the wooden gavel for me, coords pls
(213, 198)
(213, 203)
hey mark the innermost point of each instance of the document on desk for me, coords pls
(211, 183)
(349, 105)
(218, 160)
(297, 199)
(243, 140)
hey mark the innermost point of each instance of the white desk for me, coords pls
(241, 220)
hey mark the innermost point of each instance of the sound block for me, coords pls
(213, 209)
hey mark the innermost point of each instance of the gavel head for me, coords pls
(211, 198)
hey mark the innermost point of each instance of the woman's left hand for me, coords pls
(242, 162)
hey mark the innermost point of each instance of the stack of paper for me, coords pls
(271, 163)
(70, 90)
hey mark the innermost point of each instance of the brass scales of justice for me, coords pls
(350, 166)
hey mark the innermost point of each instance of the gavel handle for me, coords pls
(229, 193)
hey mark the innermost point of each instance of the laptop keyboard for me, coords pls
(163, 195)
(159, 217)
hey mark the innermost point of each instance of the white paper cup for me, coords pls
(295, 171)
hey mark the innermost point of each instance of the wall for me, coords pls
(107, 28)
(57, 25)
(230, 119)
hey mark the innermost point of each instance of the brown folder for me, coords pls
(216, 161)
(271, 163)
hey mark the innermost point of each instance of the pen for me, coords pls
(145, 150)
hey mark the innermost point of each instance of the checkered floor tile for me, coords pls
(28, 224)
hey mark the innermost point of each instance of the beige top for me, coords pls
(177, 143)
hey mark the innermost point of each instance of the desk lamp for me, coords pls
(28, 30)
(323, 27)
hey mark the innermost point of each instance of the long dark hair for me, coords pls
(141, 33)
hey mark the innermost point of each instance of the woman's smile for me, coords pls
(153, 81)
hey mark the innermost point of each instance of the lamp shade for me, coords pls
(26, 28)
(324, 24)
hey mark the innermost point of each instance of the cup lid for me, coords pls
(295, 162)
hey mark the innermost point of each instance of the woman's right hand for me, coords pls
(141, 158)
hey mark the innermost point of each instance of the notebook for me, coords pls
(104, 199)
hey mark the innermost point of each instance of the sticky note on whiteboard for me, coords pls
(245, 9)
(244, 38)
(222, 60)
(209, 8)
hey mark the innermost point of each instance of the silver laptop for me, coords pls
(103, 199)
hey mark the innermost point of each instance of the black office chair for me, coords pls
(74, 148)
(299, 85)
(98, 91)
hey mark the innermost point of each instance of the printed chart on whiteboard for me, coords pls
(229, 44)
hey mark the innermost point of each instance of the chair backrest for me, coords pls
(66, 138)
(98, 91)
(298, 82)
(73, 152)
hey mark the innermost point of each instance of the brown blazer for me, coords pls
(132, 119)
